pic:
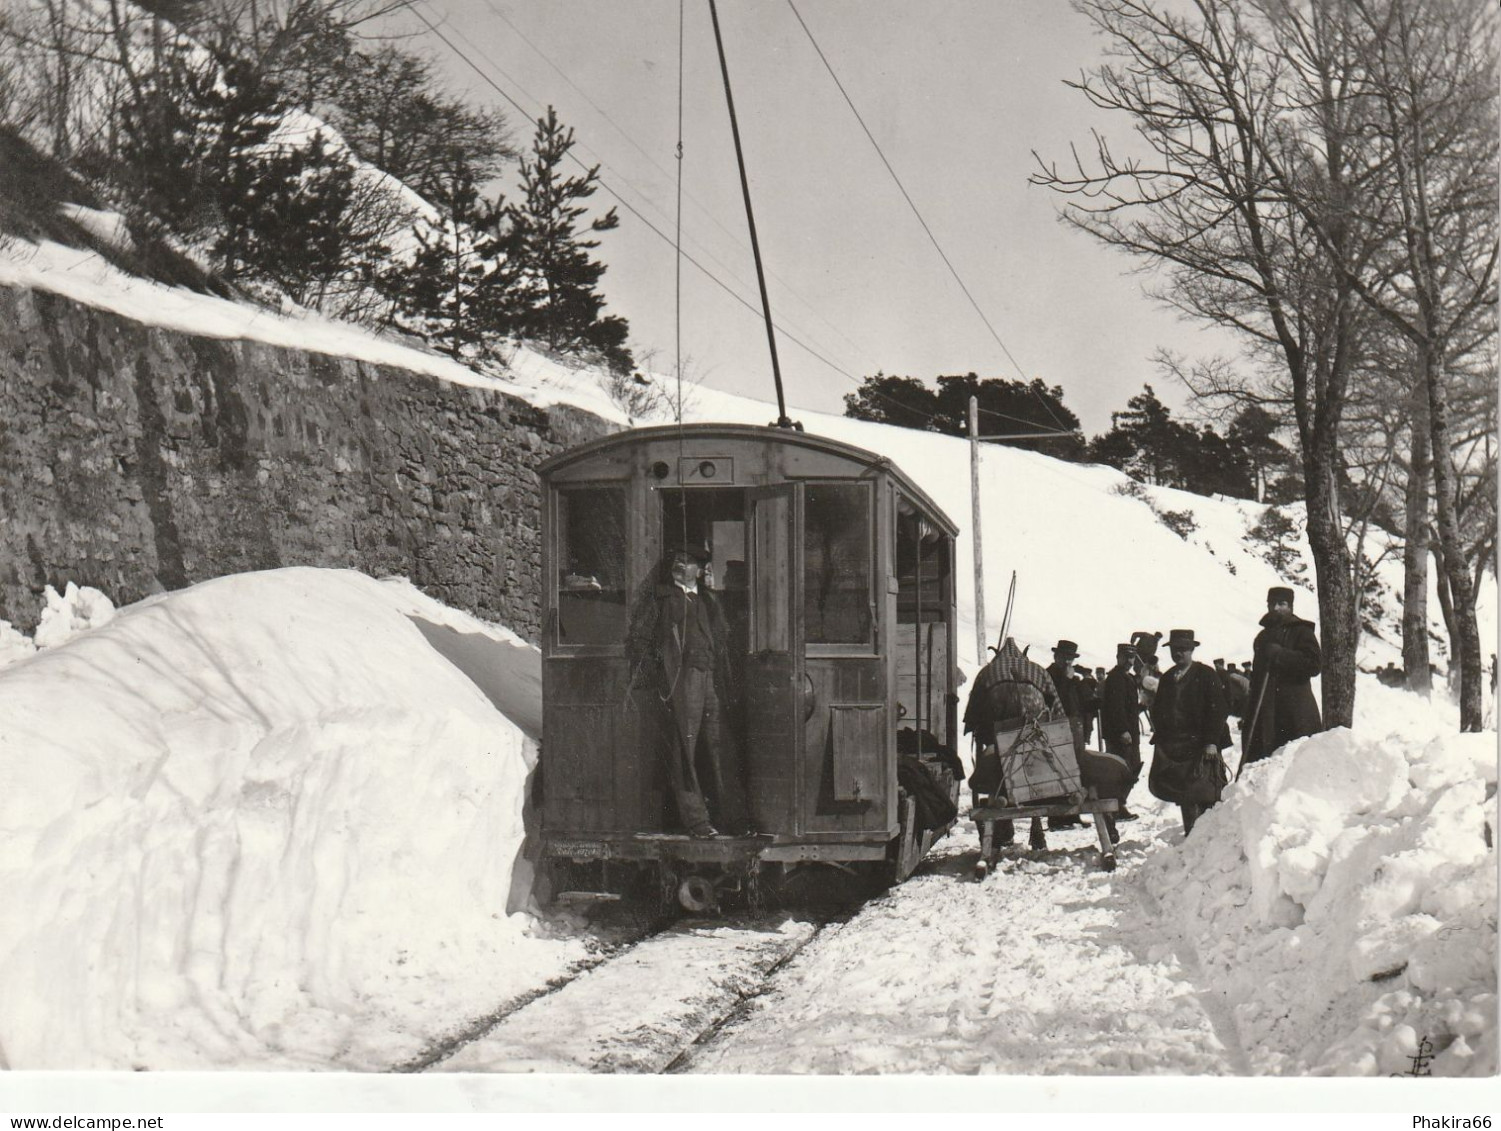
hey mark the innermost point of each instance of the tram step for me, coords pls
(587, 897)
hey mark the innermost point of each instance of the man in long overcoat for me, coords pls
(680, 637)
(1281, 705)
(1075, 700)
(1070, 689)
(1120, 717)
(1189, 731)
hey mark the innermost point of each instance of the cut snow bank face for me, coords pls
(71, 612)
(1343, 896)
(259, 823)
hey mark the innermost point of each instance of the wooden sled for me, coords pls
(986, 813)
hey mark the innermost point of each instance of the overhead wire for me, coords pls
(613, 186)
(626, 204)
(917, 212)
(677, 258)
(639, 148)
(608, 186)
(677, 266)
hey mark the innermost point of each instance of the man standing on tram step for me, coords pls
(1120, 718)
(1071, 697)
(1281, 706)
(1188, 731)
(686, 636)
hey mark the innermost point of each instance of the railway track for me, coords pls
(639, 1008)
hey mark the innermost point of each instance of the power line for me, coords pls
(675, 244)
(694, 200)
(912, 205)
(707, 213)
(645, 198)
(624, 203)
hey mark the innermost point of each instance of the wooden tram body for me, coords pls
(836, 574)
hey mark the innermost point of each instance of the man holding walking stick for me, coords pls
(1282, 706)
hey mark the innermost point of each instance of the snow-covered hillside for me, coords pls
(276, 820)
(1093, 563)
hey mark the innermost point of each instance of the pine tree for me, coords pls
(1254, 431)
(298, 219)
(1145, 441)
(448, 289)
(903, 401)
(549, 277)
(162, 162)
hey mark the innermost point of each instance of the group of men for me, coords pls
(682, 628)
(1189, 705)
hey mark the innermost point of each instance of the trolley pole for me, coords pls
(974, 495)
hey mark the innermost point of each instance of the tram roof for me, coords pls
(762, 433)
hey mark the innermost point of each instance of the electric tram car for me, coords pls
(836, 576)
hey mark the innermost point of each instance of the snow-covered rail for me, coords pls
(640, 1009)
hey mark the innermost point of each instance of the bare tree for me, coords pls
(1427, 72)
(1316, 164)
(1214, 96)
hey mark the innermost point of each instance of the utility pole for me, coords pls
(974, 495)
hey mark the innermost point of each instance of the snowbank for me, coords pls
(71, 612)
(1343, 898)
(258, 823)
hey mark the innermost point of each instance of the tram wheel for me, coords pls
(696, 894)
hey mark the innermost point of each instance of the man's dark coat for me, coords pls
(1281, 705)
(698, 701)
(1188, 714)
(1120, 711)
(1071, 693)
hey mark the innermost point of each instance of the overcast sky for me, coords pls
(958, 93)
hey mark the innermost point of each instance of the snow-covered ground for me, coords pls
(270, 822)
(275, 820)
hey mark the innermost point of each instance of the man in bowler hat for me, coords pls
(1074, 699)
(1189, 731)
(1286, 656)
(682, 636)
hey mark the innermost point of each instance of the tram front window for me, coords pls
(837, 550)
(591, 557)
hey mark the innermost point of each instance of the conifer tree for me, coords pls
(449, 289)
(1254, 432)
(302, 226)
(550, 296)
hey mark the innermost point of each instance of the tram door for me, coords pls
(774, 676)
(747, 534)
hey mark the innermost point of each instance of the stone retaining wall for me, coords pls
(137, 459)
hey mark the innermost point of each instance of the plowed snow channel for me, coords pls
(1049, 965)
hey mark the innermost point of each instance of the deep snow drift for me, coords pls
(258, 823)
(1343, 898)
(266, 822)
(1335, 915)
